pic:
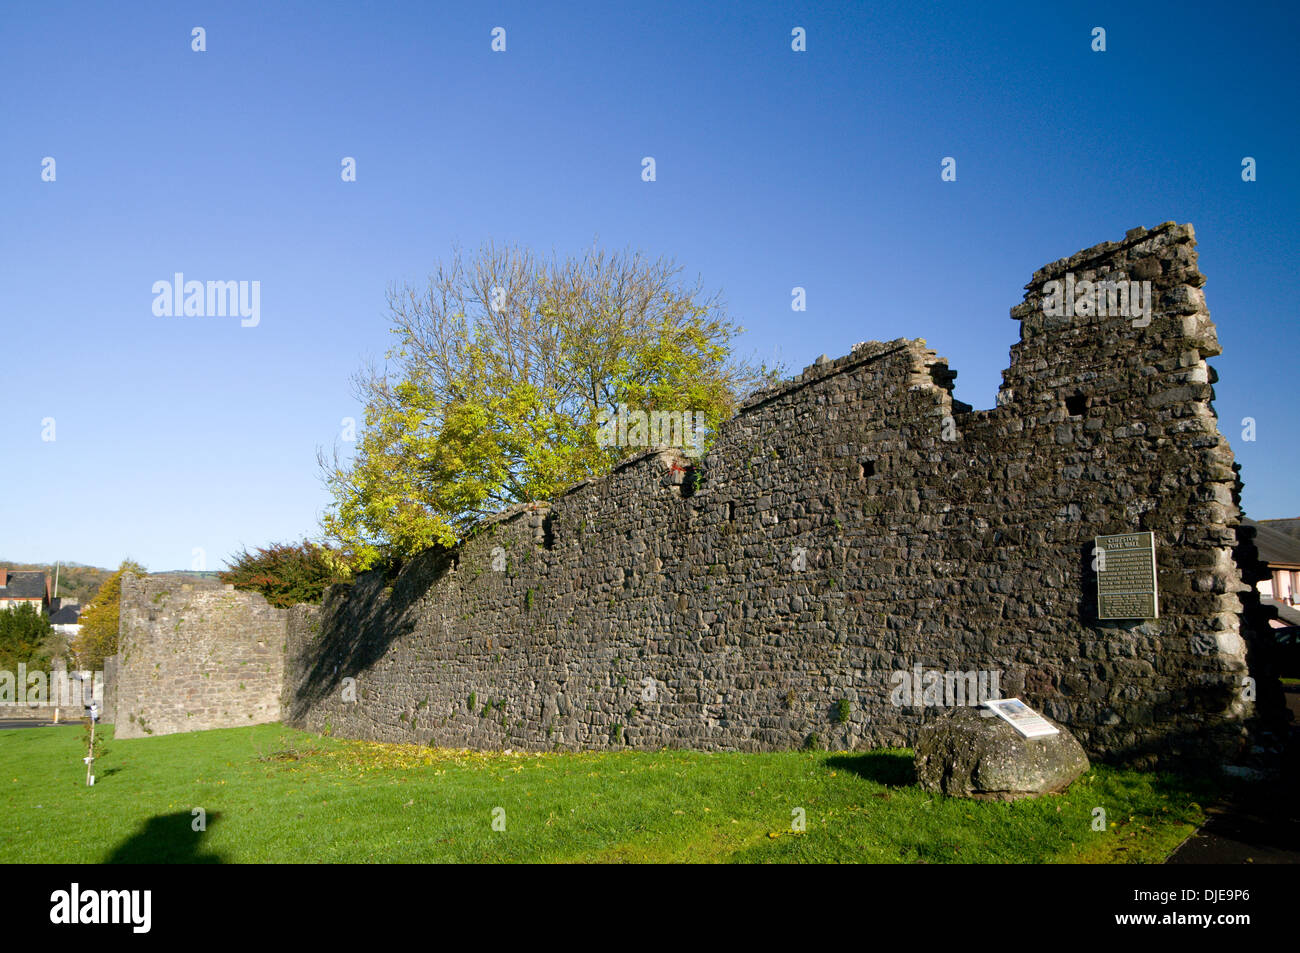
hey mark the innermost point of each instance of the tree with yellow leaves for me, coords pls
(98, 636)
(504, 369)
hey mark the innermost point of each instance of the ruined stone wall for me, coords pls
(848, 525)
(108, 713)
(195, 654)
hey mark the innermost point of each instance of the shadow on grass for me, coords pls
(883, 767)
(166, 839)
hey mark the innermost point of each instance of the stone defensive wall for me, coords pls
(194, 653)
(857, 551)
(852, 524)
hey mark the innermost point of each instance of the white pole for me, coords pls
(90, 755)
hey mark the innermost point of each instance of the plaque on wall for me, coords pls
(1126, 576)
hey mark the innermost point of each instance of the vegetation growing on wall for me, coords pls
(289, 573)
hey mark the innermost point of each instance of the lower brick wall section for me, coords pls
(196, 654)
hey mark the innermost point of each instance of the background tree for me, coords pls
(98, 636)
(288, 573)
(24, 633)
(492, 392)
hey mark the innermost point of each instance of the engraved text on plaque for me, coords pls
(1126, 576)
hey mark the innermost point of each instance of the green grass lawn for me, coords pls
(274, 794)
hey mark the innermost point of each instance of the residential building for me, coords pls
(1278, 542)
(18, 588)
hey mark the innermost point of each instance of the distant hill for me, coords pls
(77, 583)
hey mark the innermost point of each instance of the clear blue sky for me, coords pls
(775, 169)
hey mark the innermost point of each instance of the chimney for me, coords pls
(4, 578)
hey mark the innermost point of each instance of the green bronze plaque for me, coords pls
(1126, 576)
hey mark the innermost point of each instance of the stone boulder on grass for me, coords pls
(966, 753)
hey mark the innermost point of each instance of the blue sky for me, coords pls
(774, 169)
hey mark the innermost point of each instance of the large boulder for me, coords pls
(966, 753)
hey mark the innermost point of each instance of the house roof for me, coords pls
(65, 614)
(24, 585)
(1289, 527)
(1288, 614)
(1278, 541)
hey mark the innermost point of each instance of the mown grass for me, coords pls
(272, 794)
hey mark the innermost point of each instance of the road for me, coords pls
(1260, 825)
